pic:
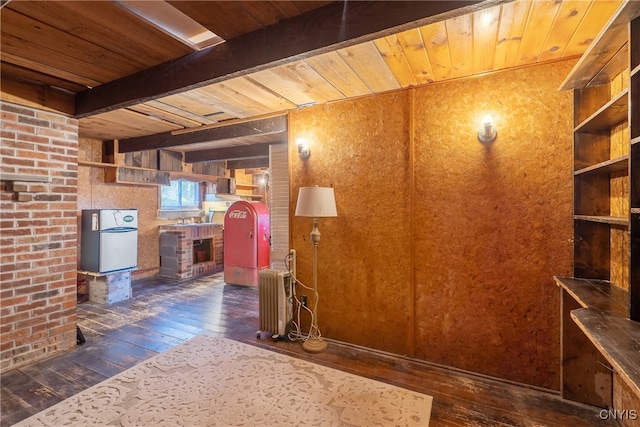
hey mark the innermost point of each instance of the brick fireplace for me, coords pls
(190, 250)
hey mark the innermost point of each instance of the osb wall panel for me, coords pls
(94, 193)
(495, 223)
(360, 148)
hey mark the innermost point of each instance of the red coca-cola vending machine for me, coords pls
(246, 242)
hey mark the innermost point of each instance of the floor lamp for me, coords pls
(316, 202)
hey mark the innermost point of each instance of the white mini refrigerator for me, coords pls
(109, 240)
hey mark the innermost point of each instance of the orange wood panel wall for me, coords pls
(497, 221)
(490, 228)
(361, 148)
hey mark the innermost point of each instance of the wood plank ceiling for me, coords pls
(65, 55)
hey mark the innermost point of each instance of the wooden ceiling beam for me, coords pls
(268, 126)
(235, 152)
(336, 25)
(36, 95)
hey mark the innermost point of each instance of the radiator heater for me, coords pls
(276, 308)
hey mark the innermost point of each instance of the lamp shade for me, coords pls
(316, 202)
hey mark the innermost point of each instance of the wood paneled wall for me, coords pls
(444, 249)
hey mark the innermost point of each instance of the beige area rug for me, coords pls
(211, 381)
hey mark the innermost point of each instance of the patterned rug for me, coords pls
(211, 381)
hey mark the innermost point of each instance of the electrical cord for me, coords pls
(295, 333)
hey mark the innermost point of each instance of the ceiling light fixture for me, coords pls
(173, 22)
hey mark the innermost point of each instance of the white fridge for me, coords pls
(109, 240)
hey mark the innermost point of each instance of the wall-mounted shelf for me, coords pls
(195, 177)
(609, 115)
(25, 186)
(96, 164)
(246, 186)
(613, 220)
(601, 295)
(130, 174)
(619, 164)
(21, 177)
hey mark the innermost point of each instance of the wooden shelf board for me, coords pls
(614, 165)
(246, 186)
(635, 71)
(614, 220)
(635, 140)
(618, 340)
(609, 115)
(125, 182)
(602, 295)
(172, 174)
(22, 177)
(603, 49)
(190, 176)
(95, 164)
(635, 210)
(111, 174)
(114, 166)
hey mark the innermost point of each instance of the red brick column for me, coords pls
(38, 234)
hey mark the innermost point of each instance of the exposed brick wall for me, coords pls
(38, 232)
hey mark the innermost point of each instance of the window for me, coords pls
(179, 195)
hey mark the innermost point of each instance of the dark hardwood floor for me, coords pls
(164, 313)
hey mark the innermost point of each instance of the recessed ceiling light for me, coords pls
(173, 22)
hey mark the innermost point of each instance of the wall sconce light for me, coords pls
(303, 148)
(487, 132)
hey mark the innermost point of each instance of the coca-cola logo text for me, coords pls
(237, 214)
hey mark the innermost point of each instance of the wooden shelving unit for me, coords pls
(145, 176)
(601, 302)
(604, 167)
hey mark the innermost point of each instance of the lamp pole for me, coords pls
(314, 343)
